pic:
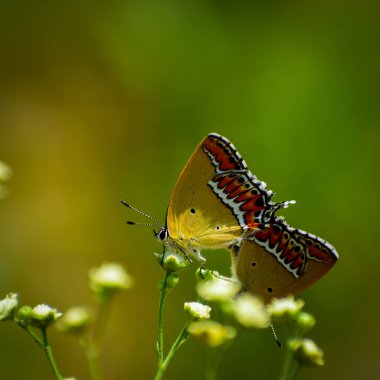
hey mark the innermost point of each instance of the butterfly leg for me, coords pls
(163, 254)
(199, 257)
(183, 251)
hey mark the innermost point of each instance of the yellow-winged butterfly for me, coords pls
(218, 203)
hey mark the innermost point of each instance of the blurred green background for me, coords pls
(106, 101)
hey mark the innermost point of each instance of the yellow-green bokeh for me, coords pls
(105, 101)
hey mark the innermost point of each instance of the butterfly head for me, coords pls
(162, 234)
(269, 213)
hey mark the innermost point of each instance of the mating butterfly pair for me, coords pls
(218, 203)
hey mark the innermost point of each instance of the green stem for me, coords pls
(294, 371)
(182, 337)
(286, 363)
(92, 345)
(35, 337)
(92, 356)
(49, 354)
(215, 358)
(211, 365)
(160, 335)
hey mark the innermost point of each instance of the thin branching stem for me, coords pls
(92, 345)
(182, 337)
(49, 355)
(34, 336)
(286, 363)
(160, 336)
(294, 371)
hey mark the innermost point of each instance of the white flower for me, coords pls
(75, 320)
(218, 290)
(109, 277)
(250, 312)
(211, 333)
(8, 306)
(5, 171)
(43, 316)
(197, 310)
(286, 307)
(307, 352)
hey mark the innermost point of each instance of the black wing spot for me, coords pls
(259, 202)
(217, 227)
(253, 264)
(270, 290)
(192, 210)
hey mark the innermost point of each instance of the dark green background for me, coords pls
(106, 100)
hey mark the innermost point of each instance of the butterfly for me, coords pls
(215, 202)
(280, 260)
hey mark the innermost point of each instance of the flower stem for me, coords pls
(294, 371)
(35, 337)
(160, 336)
(286, 363)
(182, 337)
(92, 345)
(49, 354)
(211, 365)
(92, 354)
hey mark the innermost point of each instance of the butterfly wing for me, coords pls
(195, 215)
(282, 260)
(215, 198)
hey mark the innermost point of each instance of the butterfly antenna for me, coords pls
(141, 224)
(156, 222)
(275, 336)
(284, 204)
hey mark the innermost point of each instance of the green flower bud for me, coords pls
(8, 307)
(172, 261)
(75, 320)
(218, 289)
(203, 275)
(172, 280)
(211, 333)
(305, 321)
(285, 309)
(23, 316)
(43, 316)
(109, 279)
(307, 353)
(196, 310)
(250, 312)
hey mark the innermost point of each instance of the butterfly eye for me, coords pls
(192, 210)
(162, 234)
(253, 264)
(269, 290)
(217, 228)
